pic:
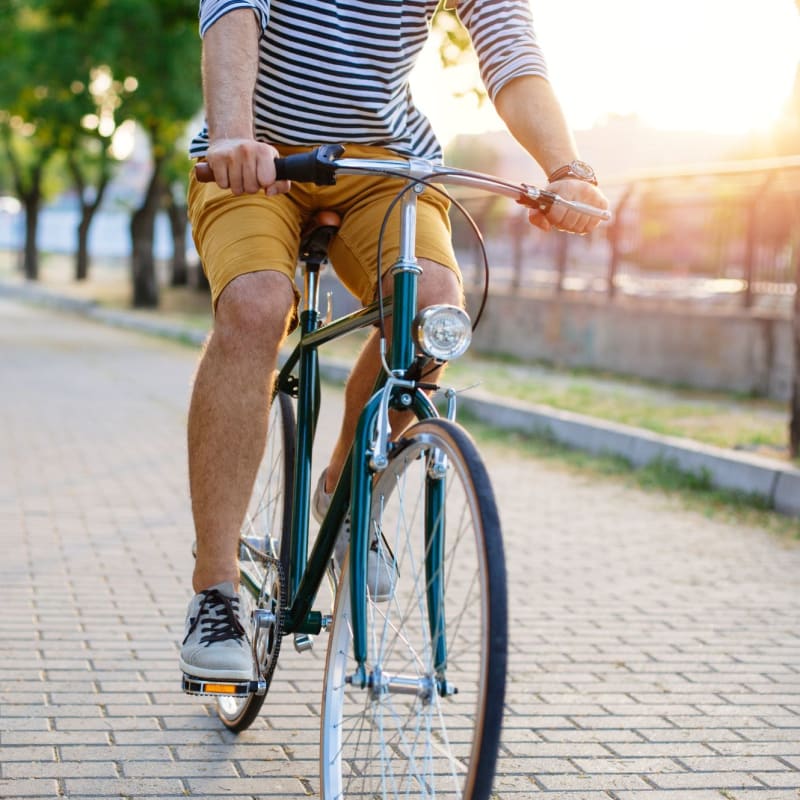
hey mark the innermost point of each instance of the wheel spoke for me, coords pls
(263, 532)
(391, 740)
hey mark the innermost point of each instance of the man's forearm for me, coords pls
(533, 114)
(230, 66)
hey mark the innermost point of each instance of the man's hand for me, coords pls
(564, 219)
(245, 166)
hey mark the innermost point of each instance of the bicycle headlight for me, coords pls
(443, 332)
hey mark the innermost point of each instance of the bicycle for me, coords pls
(414, 683)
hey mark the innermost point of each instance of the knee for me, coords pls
(255, 310)
(437, 285)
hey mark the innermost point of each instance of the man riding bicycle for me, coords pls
(280, 77)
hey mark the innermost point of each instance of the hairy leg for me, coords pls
(228, 416)
(437, 284)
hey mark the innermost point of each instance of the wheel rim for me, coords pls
(385, 744)
(261, 539)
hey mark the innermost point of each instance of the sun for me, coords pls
(694, 65)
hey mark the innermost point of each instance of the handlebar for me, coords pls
(324, 163)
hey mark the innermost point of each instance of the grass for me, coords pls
(717, 418)
(693, 491)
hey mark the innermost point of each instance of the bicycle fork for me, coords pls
(373, 439)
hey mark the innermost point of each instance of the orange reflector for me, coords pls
(221, 688)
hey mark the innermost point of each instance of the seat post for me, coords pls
(311, 288)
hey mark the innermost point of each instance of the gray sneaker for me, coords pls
(216, 645)
(381, 566)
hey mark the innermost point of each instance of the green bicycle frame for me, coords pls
(354, 490)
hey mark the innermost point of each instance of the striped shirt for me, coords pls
(337, 70)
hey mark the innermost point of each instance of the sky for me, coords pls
(719, 66)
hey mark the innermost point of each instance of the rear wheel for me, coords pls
(263, 555)
(428, 723)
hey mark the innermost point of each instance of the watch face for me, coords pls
(582, 170)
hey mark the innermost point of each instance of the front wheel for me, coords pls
(427, 725)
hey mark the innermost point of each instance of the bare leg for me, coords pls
(437, 284)
(228, 416)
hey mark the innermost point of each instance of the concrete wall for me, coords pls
(700, 347)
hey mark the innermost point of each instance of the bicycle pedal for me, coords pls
(216, 688)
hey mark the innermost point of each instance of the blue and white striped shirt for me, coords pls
(337, 70)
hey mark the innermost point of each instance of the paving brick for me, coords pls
(51, 769)
(27, 787)
(654, 651)
(121, 787)
(761, 794)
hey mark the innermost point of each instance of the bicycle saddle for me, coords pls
(316, 236)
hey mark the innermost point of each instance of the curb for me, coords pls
(47, 298)
(777, 483)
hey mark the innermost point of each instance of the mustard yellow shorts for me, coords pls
(235, 235)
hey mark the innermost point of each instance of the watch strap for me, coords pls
(570, 171)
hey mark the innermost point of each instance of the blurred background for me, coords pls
(689, 112)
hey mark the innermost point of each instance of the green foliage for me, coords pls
(455, 44)
(455, 47)
(73, 70)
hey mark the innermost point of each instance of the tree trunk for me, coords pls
(143, 264)
(31, 198)
(178, 222)
(82, 254)
(29, 194)
(88, 210)
(28, 186)
(30, 262)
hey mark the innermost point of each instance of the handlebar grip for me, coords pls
(599, 213)
(315, 166)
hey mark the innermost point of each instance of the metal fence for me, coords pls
(728, 234)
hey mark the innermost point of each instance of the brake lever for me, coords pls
(544, 200)
(540, 199)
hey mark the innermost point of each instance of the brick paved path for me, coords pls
(655, 654)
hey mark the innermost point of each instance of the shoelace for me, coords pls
(224, 624)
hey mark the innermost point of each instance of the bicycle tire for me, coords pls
(264, 538)
(382, 743)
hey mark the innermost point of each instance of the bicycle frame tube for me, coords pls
(434, 558)
(308, 411)
(405, 272)
(307, 573)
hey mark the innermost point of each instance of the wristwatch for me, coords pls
(579, 170)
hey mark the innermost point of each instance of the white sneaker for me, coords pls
(216, 645)
(381, 566)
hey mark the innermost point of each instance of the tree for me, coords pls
(27, 135)
(141, 59)
(455, 48)
(156, 43)
(58, 99)
(88, 144)
(176, 170)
